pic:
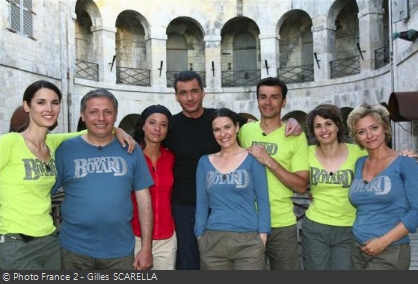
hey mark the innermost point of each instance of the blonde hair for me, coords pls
(379, 112)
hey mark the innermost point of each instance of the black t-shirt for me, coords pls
(190, 139)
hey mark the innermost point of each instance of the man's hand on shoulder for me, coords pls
(125, 139)
(293, 128)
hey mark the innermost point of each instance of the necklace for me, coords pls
(45, 165)
(36, 145)
(40, 147)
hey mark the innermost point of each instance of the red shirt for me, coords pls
(160, 196)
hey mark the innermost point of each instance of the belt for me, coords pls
(21, 237)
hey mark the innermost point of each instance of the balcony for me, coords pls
(240, 78)
(86, 70)
(345, 67)
(381, 57)
(296, 74)
(133, 76)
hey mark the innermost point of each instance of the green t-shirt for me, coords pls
(25, 184)
(330, 204)
(292, 153)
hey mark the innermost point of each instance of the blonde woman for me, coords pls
(384, 192)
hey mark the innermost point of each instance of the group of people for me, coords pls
(204, 188)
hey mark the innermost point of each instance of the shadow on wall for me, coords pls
(300, 116)
(345, 111)
(128, 123)
(19, 120)
(81, 125)
(247, 115)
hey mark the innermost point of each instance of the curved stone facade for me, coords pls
(340, 52)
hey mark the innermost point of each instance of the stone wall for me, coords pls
(56, 45)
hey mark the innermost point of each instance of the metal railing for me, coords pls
(133, 76)
(296, 74)
(240, 78)
(171, 76)
(86, 70)
(56, 200)
(345, 67)
(381, 57)
(301, 203)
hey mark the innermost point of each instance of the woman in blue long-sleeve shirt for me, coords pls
(384, 192)
(232, 209)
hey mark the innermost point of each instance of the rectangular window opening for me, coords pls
(21, 17)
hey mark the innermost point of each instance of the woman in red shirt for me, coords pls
(150, 131)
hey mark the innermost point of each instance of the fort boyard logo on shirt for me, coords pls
(271, 148)
(35, 168)
(343, 177)
(100, 165)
